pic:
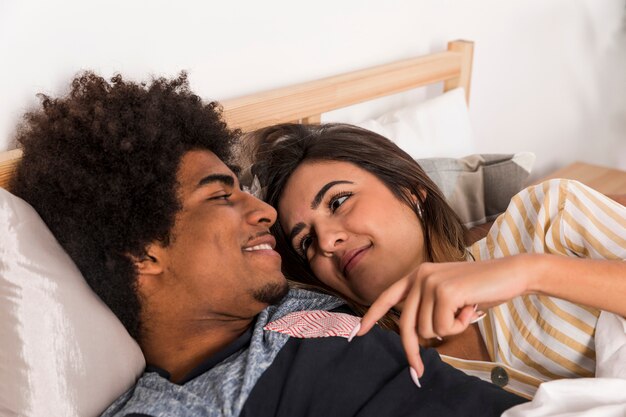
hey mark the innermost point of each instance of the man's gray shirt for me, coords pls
(296, 361)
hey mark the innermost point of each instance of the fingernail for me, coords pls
(414, 377)
(481, 315)
(475, 307)
(354, 332)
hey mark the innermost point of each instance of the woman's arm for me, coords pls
(593, 282)
(437, 299)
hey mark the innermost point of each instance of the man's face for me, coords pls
(220, 261)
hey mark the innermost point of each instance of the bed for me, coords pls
(306, 102)
(56, 365)
(462, 180)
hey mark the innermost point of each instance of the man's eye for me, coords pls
(225, 196)
(337, 201)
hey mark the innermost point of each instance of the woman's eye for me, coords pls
(304, 245)
(336, 202)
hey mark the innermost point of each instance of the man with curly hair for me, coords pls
(137, 183)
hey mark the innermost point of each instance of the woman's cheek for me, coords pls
(322, 273)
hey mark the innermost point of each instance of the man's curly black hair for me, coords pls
(99, 165)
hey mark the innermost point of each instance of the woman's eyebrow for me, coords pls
(320, 194)
(296, 230)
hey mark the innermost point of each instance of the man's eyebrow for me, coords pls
(223, 178)
(320, 194)
(296, 230)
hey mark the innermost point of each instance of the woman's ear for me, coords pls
(423, 193)
(418, 202)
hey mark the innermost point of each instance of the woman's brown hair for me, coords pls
(277, 151)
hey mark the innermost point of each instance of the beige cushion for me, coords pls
(63, 351)
(480, 187)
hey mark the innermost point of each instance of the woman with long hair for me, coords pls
(357, 216)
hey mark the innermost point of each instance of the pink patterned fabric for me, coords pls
(316, 323)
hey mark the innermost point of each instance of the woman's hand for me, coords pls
(439, 299)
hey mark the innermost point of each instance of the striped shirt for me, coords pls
(541, 338)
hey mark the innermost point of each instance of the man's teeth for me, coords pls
(263, 246)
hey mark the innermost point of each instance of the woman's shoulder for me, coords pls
(553, 210)
(530, 212)
(566, 194)
(554, 186)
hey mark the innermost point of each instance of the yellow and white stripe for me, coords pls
(540, 338)
(520, 383)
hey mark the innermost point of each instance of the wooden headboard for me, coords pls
(304, 103)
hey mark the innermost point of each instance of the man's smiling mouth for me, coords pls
(263, 246)
(263, 242)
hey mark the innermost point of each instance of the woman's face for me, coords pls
(356, 235)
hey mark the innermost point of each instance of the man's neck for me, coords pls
(179, 347)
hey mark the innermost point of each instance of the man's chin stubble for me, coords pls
(271, 293)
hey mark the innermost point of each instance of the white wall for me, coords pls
(549, 76)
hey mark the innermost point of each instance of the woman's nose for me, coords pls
(330, 238)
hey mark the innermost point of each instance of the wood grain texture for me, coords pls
(606, 180)
(308, 100)
(466, 49)
(8, 163)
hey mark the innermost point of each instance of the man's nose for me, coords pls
(260, 212)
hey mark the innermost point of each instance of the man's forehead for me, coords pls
(198, 164)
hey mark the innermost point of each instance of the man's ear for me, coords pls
(151, 263)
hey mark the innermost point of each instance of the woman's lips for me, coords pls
(352, 258)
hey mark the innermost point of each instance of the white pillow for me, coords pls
(63, 352)
(438, 127)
